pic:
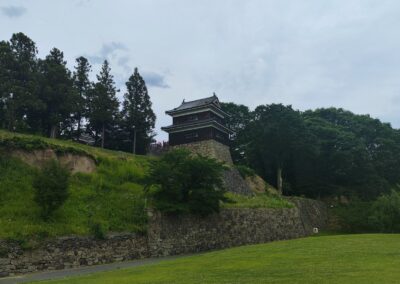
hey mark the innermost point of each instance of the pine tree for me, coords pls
(56, 92)
(137, 114)
(7, 64)
(82, 87)
(23, 75)
(103, 103)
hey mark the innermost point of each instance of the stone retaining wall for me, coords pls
(169, 236)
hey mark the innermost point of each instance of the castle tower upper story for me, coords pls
(198, 120)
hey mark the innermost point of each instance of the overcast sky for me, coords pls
(308, 54)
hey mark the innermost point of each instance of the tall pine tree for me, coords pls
(103, 105)
(23, 70)
(56, 92)
(137, 114)
(7, 64)
(82, 87)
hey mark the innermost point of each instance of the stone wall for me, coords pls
(168, 235)
(210, 148)
(233, 181)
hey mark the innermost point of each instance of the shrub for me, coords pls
(385, 216)
(245, 171)
(97, 230)
(183, 183)
(51, 188)
(353, 217)
(381, 215)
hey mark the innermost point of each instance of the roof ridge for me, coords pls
(186, 102)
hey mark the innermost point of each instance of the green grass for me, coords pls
(328, 259)
(111, 198)
(261, 200)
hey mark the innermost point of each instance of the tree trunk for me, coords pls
(134, 141)
(279, 180)
(79, 126)
(53, 131)
(103, 133)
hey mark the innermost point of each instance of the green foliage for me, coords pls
(353, 217)
(111, 196)
(56, 92)
(277, 138)
(182, 183)
(262, 200)
(381, 215)
(103, 103)
(42, 96)
(325, 152)
(51, 188)
(137, 115)
(238, 120)
(385, 215)
(97, 230)
(82, 86)
(245, 171)
(30, 143)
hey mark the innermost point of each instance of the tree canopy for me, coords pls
(42, 96)
(323, 152)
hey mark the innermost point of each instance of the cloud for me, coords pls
(81, 3)
(13, 11)
(109, 51)
(123, 62)
(155, 80)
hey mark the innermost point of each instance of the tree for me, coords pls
(277, 137)
(353, 156)
(56, 92)
(238, 119)
(51, 188)
(103, 103)
(7, 65)
(137, 114)
(182, 183)
(82, 87)
(22, 82)
(385, 213)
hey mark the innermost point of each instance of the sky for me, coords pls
(308, 54)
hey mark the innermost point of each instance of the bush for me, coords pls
(51, 188)
(353, 217)
(97, 230)
(183, 183)
(385, 216)
(245, 171)
(381, 215)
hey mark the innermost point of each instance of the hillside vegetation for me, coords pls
(328, 259)
(110, 199)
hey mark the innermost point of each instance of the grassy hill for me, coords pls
(110, 199)
(328, 259)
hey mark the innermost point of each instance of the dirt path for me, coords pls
(58, 274)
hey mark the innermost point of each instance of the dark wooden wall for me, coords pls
(198, 135)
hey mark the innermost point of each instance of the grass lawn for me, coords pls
(372, 258)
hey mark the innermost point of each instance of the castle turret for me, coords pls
(198, 120)
(200, 127)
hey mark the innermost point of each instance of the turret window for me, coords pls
(192, 135)
(192, 117)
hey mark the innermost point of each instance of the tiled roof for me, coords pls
(197, 103)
